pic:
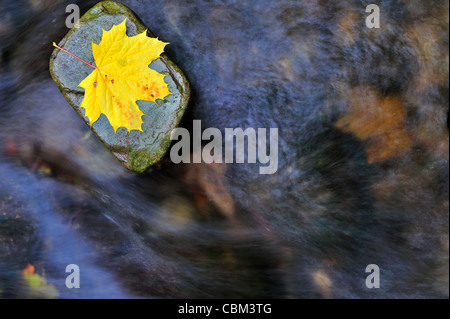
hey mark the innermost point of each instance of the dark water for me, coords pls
(338, 202)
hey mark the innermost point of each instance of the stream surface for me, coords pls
(344, 196)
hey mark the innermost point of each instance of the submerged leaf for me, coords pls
(36, 286)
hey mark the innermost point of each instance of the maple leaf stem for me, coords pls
(56, 46)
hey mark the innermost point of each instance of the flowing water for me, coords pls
(341, 199)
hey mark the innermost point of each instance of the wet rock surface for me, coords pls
(136, 150)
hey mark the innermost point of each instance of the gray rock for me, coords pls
(136, 150)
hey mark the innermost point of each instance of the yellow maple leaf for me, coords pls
(122, 76)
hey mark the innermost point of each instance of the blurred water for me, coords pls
(211, 231)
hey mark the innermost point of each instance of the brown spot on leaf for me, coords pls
(149, 91)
